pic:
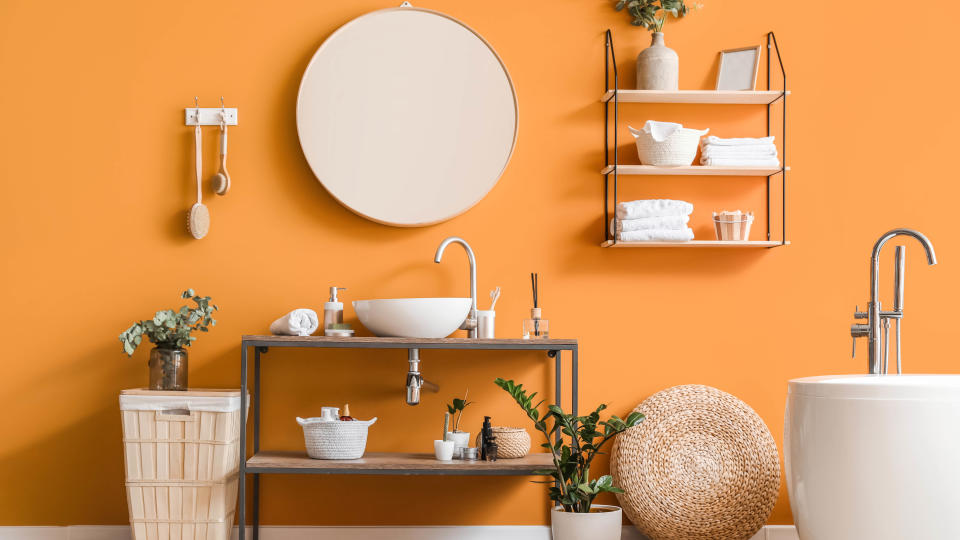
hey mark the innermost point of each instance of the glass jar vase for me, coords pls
(168, 369)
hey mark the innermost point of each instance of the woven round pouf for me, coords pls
(702, 465)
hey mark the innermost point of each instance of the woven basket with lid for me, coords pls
(702, 465)
(512, 443)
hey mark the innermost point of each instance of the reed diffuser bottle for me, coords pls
(536, 327)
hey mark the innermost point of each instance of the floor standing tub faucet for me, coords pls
(879, 349)
(470, 324)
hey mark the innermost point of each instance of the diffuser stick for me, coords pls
(535, 282)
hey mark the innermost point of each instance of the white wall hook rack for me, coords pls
(209, 116)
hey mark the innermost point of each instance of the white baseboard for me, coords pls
(518, 532)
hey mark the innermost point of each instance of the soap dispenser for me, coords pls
(332, 311)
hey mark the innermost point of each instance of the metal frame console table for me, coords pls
(388, 463)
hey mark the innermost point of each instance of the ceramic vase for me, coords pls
(168, 369)
(602, 523)
(658, 66)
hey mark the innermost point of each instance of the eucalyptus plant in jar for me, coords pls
(171, 331)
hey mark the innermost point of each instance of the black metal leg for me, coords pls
(559, 378)
(256, 507)
(573, 381)
(241, 484)
(255, 511)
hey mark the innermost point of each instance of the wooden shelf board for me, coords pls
(692, 170)
(381, 463)
(696, 244)
(729, 97)
(391, 342)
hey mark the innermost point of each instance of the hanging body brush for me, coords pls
(221, 180)
(198, 221)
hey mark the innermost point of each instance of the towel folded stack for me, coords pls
(654, 220)
(741, 152)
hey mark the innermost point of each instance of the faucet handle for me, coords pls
(857, 314)
(856, 331)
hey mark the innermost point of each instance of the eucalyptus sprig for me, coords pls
(645, 12)
(573, 488)
(171, 329)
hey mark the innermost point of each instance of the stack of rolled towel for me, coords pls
(299, 322)
(654, 220)
(741, 152)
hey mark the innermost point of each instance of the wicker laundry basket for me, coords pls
(182, 456)
(512, 443)
(701, 466)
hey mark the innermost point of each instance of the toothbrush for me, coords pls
(494, 296)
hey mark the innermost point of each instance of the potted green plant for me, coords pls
(575, 517)
(461, 439)
(658, 66)
(170, 331)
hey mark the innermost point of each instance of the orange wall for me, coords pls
(96, 169)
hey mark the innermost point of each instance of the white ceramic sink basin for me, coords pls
(413, 317)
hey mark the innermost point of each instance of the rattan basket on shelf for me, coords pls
(512, 443)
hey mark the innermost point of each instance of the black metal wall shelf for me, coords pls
(614, 169)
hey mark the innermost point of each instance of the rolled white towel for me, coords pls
(299, 322)
(660, 222)
(757, 151)
(657, 235)
(742, 141)
(771, 161)
(653, 208)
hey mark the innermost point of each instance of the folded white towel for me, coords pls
(299, 322)
(771, 161)
(653, 208)
(657, 235)
(753, 151)
(742, 141)
(660, 222)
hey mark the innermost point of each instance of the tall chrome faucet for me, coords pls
(879, 349)
(470, 324)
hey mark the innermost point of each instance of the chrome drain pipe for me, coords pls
(415, 381)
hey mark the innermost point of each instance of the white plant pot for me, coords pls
(461, 439)
(602, 523)
(443, 450)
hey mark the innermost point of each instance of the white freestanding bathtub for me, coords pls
(874, 457)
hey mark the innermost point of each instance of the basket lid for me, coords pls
(207, 400)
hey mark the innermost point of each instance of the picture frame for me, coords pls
(738, 68)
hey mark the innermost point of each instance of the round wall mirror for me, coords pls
(407, 116)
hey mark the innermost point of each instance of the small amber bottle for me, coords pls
(346, 413)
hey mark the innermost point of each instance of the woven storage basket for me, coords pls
(182, 456)
(701, 466)
(333, 439)
(677, 150)
(512, 443)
